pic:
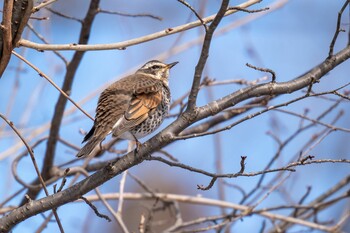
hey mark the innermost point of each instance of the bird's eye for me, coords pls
(155, 67)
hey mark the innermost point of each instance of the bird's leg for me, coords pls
(137, 144)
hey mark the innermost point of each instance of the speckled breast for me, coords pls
(156, 118)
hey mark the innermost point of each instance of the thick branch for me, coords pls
(6, 36)
(15, 17)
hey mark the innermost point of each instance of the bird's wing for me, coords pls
(111, 106)
(125, 104)
(147, 96)
(141, 104)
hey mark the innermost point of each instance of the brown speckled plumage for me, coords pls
(132, 107)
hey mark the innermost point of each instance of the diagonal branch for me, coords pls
(42, 5)
(338, 29)
(194, 12)
(41, 74)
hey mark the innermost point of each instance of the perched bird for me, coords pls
(132, 107)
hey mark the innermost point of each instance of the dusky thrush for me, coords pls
(132, 107)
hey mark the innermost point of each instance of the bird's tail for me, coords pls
(89, 146)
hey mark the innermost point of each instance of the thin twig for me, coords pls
(121, 202)
(63, 15)
(273, 188)
(289, 167)
(273, 74)
(209, 186)
(118, 214)
(242, 163)
(98, 214)
(302, 199)
(338, 29)
(41, 74)
(341, 222)
(64, 179)
(194, 12)
(130, 15)
(192, 98)
(42, 5)
(303, 213)
(248, 11)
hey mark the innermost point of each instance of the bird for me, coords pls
(131, 107)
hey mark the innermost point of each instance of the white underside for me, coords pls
(127, 135)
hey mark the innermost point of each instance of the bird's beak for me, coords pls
(169, 66)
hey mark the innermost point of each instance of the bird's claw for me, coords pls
(138, 147)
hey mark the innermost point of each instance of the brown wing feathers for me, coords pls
(142, 104)
(139, 107)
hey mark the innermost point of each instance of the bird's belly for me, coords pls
(149, 125)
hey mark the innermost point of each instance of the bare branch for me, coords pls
(15, 17)
(42, 5)
(30, 151)
(131, 42)
(249, 11)
(41, 74)
(6, 35)
(194, 12)
(242, 163)
(273, 79)
(338, 29)
(98, 214)
(212, 202)
(192, 98)
(130, 15)
(63, 15)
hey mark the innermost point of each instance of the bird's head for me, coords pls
(157, 69)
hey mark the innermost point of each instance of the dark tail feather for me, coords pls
(89, 147)
(89, 134)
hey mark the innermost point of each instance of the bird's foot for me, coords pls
(138, 147)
